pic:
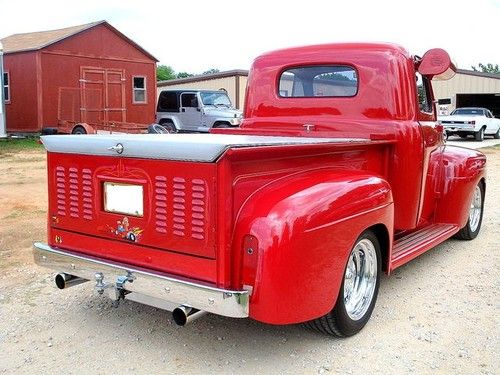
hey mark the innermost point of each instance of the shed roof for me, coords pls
(41, 39)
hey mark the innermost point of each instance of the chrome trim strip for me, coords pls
(183, 147)
(232, 303)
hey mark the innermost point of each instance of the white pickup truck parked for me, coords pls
(471, 121)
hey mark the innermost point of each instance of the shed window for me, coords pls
(139, 89)
(318, 81)
(6, 87)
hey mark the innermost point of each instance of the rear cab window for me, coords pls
(318, 81)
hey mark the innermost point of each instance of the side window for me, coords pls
(168, 102)
(318, 81)
(423, 93)
(489, 114)
(139, 89)
(189, 100)
(6, 87)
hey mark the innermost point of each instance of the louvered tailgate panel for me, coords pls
(178, 201)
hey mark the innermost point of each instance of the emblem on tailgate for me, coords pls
(124, 231)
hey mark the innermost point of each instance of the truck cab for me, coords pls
(196, 110)
(337, 174)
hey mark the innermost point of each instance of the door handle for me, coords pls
(183, 109)
(118, 148)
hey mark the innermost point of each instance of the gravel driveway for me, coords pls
(438, 314)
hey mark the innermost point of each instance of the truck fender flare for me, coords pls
(294, 234)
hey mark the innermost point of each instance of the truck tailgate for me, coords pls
(161, 204)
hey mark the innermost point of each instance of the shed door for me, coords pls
(103, 96)
(115, 96)
(92, 96)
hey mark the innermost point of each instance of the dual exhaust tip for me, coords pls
(182, 315)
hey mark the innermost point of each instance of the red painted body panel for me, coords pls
(305, 226)
(281, 220)
(179, 202)
(39, 76)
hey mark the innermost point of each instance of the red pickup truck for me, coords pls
(338, 174)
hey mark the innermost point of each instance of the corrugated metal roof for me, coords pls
(203, 77)
(478, 74)
(41, 39)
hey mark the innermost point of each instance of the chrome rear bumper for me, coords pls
(230, 303)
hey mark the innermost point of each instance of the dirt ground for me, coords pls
(438, 314)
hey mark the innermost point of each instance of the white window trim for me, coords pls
(8, 87)
(145, 89)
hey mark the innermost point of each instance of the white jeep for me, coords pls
(195, 110)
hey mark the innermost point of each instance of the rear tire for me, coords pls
(473, 226)
(479, 136)
(79, 130)
(497, 134)
(169, 125)
(358, 292)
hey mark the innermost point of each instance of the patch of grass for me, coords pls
(492, 148)
(10, 145)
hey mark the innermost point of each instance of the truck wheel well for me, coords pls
(382, 234)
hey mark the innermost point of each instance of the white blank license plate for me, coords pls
(124, 198)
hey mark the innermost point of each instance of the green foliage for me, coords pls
(211, 71)
(9, 145)
(184, 75)
(334, 77)
(487, 68)
(165, 73)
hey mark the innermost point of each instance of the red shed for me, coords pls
(87, 74)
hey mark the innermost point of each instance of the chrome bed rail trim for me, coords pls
(182, 147)
(231, 303)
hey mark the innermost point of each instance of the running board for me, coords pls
(412, 245)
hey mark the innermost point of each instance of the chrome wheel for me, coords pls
(360, 279)
(476, 207)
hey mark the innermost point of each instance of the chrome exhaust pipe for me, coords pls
(184, 314)
(64, 280)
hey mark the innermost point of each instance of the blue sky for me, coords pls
(227, 34)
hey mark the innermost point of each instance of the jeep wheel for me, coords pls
(479, 136)
(169, 126)
(473, 226)
(222, 125)
(358, 292)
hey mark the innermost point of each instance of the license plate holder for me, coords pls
(123, 198)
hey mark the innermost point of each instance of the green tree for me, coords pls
(211, 71)
(487, 68)
(184, 75)
(164, 73)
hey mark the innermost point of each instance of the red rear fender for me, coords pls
(293, 236)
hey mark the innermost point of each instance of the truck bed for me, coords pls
(192, 187)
